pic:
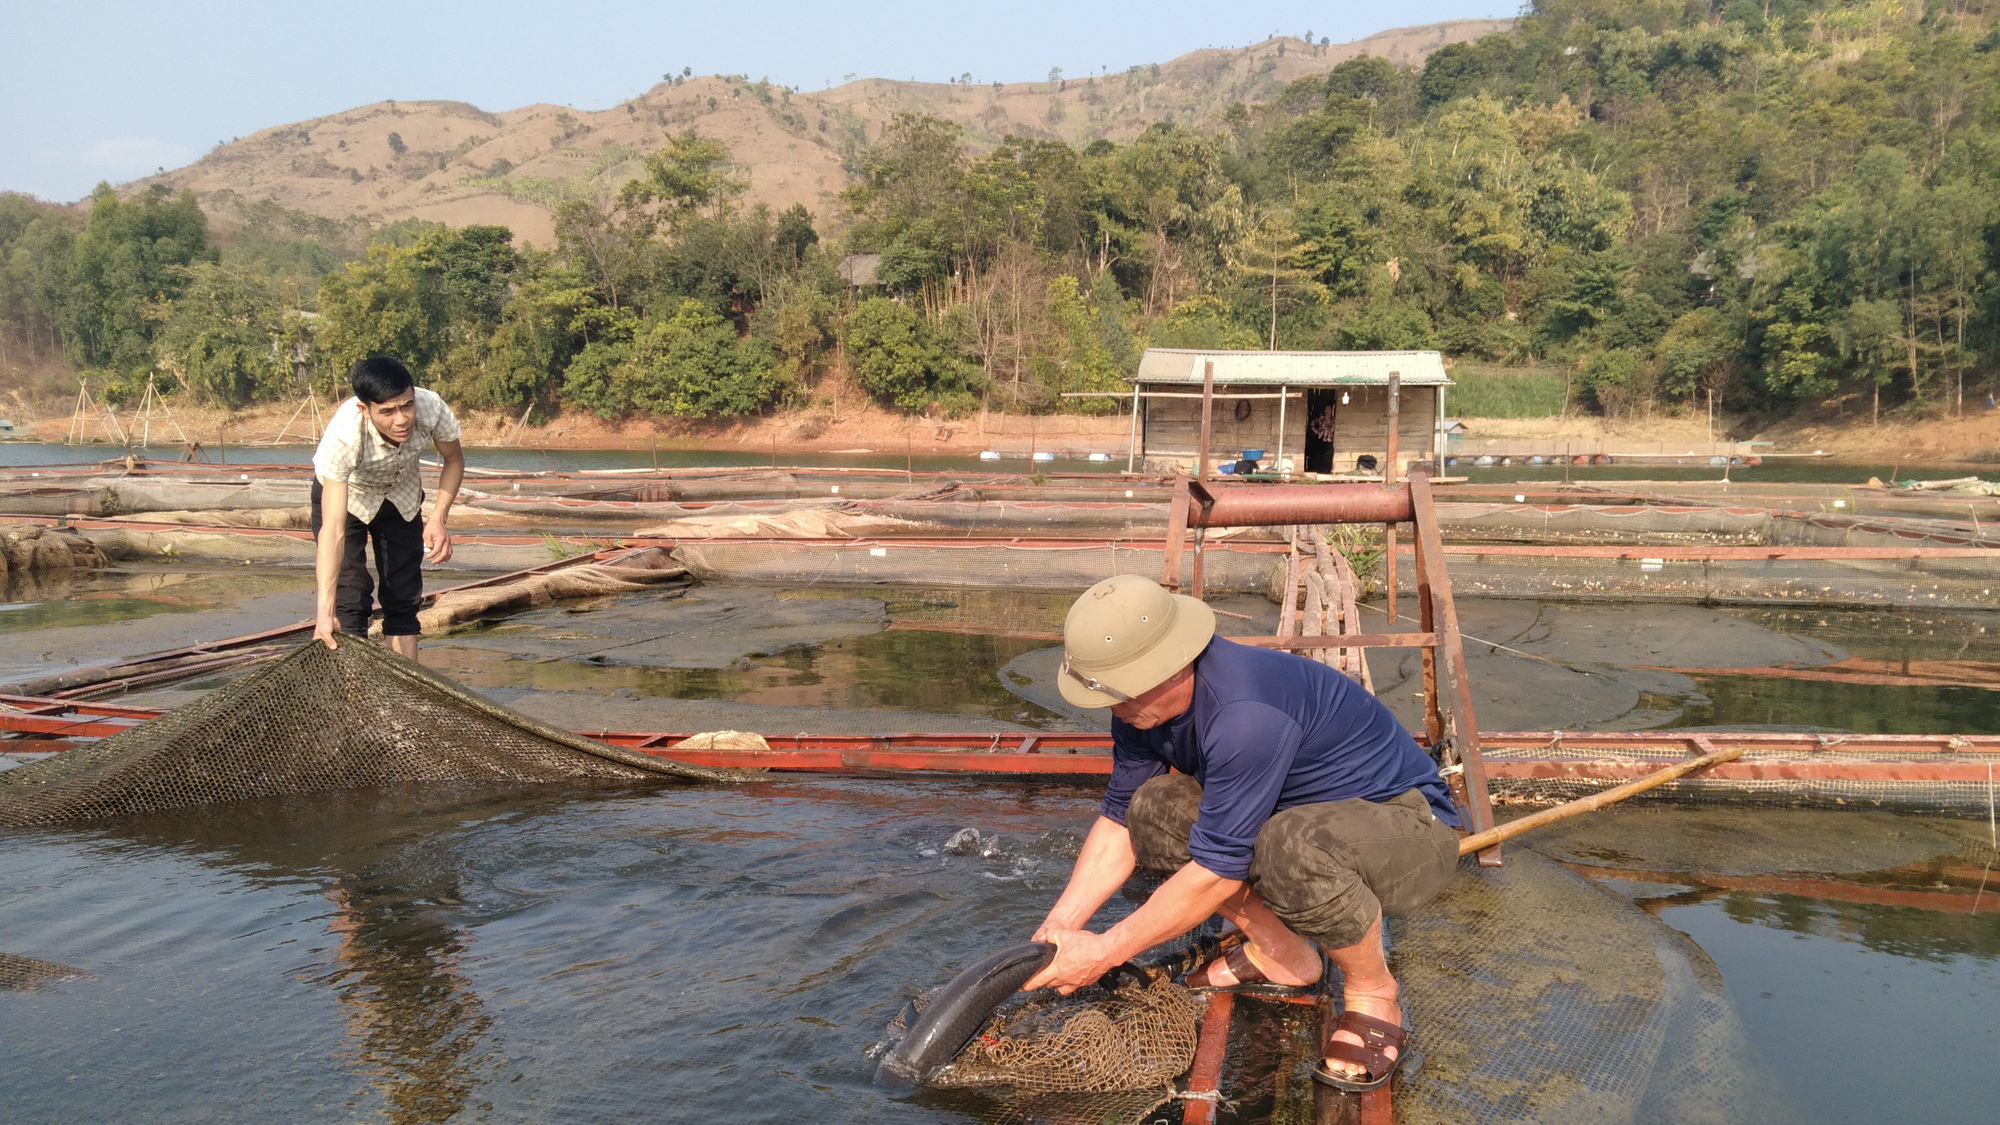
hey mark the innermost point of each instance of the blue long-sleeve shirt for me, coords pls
(1268, 730)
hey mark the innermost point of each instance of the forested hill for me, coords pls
(452, 162)
(1776, 204)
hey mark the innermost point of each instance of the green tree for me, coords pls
(228, 337)
(692, 364)
(433, 304)
(1699, 353)
(131, 255)
(1079, 359)
(552, 316)
(899, 359)
(1203, 323)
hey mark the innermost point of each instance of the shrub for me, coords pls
(689, 365)
(898, 359)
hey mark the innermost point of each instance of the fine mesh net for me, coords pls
(1538, 997)
(1866, 778)
(589, 580)
(1109, 1054)
(1943, 583)
(1635, 523)
(317, 721)
(19, 973)
(1139, 1034)
(1227, 567)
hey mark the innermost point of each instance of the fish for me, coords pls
(957, 1012)
(942, 1029)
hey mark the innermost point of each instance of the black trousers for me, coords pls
(399, 561)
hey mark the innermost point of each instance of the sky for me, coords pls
(114, 89)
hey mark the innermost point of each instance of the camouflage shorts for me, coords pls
(1329, 870)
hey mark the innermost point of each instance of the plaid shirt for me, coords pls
(354, 452)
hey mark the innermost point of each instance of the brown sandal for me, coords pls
(1250, 980)
(1378, 1037)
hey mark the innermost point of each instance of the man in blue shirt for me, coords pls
(1299, 810)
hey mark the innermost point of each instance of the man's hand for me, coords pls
(323, 630)
(1081, 958)
(1055, 921)
(437, 541)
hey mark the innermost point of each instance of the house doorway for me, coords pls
(1321, 406)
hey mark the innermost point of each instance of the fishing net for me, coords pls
(282, 519)
(588, 580)
(798, 523)
(1228, 567)
(318, 721)
(19, 973)
(1109, 1054)
(1832, 773)
(1930, 583)
(39, 550)
(1139, 1034)
(1539, 997)
(1622, 523)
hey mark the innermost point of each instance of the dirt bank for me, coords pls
(846, 421)
(847, 424)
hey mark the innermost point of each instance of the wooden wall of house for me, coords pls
(1173, 426)
(1362, 425)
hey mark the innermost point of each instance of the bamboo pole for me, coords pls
(1132, 449)
(1207, 409)
(1480, 840)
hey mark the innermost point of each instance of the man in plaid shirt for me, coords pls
(367, 485)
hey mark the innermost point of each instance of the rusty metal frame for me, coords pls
(1449, 722)
(1541, 754)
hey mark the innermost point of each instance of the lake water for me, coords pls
(725, 955)
(732, 954)
(1805, 470)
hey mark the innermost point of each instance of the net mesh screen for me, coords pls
(19, 973)
(1539, 997)
(1800, 791)
(1535, 997)
(1636, 523)
(1138, 1035)
(1227, 567)
(1947, 583)
(588, 580)
(317, 721)
(1109, 1054)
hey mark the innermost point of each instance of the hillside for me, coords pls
(455, 163)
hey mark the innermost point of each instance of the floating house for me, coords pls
(1323, 412)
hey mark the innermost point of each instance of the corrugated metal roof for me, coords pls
(1299, 369)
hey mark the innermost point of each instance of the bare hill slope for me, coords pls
(453, 162)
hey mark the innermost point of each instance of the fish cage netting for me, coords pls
(1815, 788)
(1226, 567)
(1942, 583)
(318, 721)
(1524, 523)
(1108, 1054)
(19, 973)
(1134, 1035)
(1538, 997)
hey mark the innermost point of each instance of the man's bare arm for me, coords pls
(437, 536)
(326, 559)
(1102, 866)
(1184, 901)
